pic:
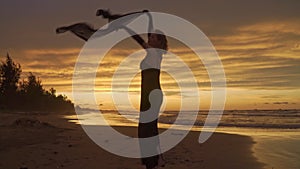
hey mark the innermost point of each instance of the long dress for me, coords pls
(150, 81)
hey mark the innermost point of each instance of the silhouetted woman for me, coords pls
(150, 86)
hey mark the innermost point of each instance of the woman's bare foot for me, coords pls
(161, 161)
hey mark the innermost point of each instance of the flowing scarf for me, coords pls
(85, 31)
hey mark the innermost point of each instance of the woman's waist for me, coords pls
(151, 74)
(151, 78)
(151, 70)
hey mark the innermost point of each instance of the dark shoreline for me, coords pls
(66, 145)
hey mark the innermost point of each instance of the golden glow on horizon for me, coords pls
(260, 62)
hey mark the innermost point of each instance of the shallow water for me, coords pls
(277, 148)
(278, 152)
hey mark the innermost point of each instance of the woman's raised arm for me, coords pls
(150, 25)
(136, 37)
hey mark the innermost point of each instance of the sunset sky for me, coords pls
(258, 43)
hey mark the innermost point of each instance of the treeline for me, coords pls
(28, 94)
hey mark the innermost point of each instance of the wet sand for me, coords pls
(48, 141)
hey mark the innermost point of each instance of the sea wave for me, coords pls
(274, 119)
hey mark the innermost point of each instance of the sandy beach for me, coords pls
(39, 140)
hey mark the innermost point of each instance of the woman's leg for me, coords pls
(146, 130)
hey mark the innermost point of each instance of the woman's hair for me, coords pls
(163, 39)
